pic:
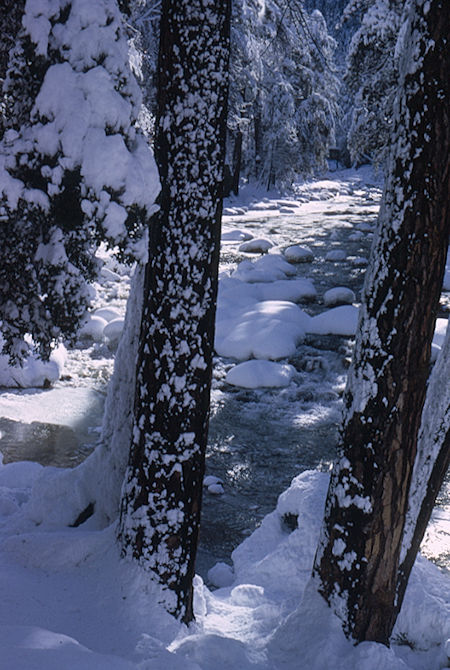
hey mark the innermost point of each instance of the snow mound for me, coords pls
(266, 269)
(236, 235)
(341, 320)
(221, 575)
(336, 255)
(256, 374)
(93, 328)
(113, 329)
(360, 261)
(340, 295)
(107, 313)
(258, 245)
(233, 292)
(270, 329)
(34, 372)
(298, 254)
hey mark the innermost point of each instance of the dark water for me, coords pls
(45, 443)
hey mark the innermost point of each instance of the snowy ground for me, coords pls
(291, 275)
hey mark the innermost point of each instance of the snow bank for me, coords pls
(73, 603)
(34, 372)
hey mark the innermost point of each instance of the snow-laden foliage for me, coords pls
(283, 89)
(372, 76)
(10, 17)
(74, 168)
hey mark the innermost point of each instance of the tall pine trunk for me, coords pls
(357, 562)
(162, 494)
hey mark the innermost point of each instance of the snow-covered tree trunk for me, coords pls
(357, 562)
(162, 491)
(431, 465)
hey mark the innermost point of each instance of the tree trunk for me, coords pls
(163, 486)
(357, 562)
(430, 468)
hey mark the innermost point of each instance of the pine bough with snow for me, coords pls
(75, 171)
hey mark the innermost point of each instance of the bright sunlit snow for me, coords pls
(284, 331)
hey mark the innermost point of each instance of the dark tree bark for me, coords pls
(431, 465)
(163, 486)
(357, 562)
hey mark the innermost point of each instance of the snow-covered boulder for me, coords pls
(298, 254)
(257, 245)
(336, 256)
(341, 320)
(255, 374)
(340, 295)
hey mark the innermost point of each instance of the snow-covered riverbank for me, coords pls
(291, 275)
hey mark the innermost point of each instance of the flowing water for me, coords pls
(259, 439)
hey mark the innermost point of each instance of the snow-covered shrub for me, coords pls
(75, 170)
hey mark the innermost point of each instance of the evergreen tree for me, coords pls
(372, 77)
(283, 90)
(75, 170)
(364, 556)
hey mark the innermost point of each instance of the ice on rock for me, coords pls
(364, 227)
(336, 255)
(258, 245)
(298, 254)
(260, 373)
(340, 295)
(341, 320)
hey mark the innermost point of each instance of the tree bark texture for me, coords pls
(162, 493)
(357, 562)
(431, 465)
